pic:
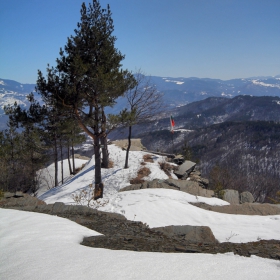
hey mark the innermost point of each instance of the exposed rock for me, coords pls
(19, 200)
(185, 168)
(16, 194)
(190, 187)
(231, 196)
(155, 184)
(136, 144)
(193, 234)
(246, 197)
(243, 209)
(180, 185)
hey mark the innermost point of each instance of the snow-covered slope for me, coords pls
(162, 207)
(37, 246)
(113, 178)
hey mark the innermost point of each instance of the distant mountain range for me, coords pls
(177, 91)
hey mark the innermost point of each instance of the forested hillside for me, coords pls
(240, 155)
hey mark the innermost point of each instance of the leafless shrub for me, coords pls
(85, 197)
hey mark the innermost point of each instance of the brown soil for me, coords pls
(243, 209)
(143, 172)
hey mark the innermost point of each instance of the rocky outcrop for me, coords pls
(191, 187)
(194, 234)
(185, 169)
(246, 197)
(234, 198)
(231, 196)
(187, 186)
(19, 200)
(154, 184)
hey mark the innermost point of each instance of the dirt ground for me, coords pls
(243, 209)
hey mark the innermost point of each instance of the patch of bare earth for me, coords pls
(79, 168)
(148, 158)
(167, 168)
(243, 209)
(142, 172)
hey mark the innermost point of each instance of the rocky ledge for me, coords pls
(122, 234)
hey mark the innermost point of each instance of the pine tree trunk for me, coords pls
(68, 157)
(105, 153)
(128, 146)
(98, 191)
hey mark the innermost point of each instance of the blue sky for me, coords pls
(222, 39)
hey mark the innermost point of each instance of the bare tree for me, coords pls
(144, 102)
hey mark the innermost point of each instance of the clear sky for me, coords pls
(222, 39)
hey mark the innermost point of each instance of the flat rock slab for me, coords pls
(193, 234)
(231, 196)
(184, 168)
(190, 187)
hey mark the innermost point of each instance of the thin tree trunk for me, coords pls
(68, 157)
(61, 161)
(128, 146)
(105, 153)
(73, 158)
(98, 191)
(55, 163)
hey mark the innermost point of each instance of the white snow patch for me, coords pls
(256, 82)
(45, 176)
(113, 178)
(277, 101)
(176, 82)
(163, 207)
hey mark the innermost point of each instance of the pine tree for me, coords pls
(88, 77)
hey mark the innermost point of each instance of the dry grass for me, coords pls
(148, 158)
(143, 172)
(167, 168)
(80, 168)
(111, 164)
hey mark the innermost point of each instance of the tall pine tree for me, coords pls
(88, 77)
